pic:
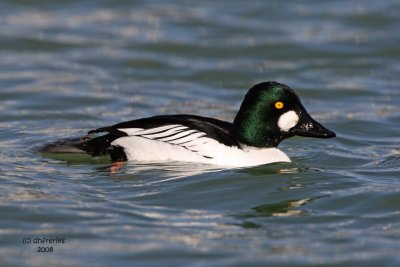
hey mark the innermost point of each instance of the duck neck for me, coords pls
(252, 130)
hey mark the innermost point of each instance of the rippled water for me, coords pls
(69, 66)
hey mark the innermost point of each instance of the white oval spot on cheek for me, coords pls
(288, 120)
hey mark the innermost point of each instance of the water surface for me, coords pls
(70, 66)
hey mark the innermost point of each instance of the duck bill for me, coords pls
(308, 127)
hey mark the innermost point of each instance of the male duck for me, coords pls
(270, 113)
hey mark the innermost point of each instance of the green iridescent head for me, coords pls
(272, 112)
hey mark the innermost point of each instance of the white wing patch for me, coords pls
(177, 135)
(141, 131)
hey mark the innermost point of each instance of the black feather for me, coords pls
(100, 145)
(213, 128)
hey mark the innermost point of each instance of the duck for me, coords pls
(270, 113)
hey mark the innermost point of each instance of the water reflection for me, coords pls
(285, 208)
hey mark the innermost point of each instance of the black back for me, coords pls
(213, 128)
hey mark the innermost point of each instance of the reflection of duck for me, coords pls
(284, 208)
(270, 113)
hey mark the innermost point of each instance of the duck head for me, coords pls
(272, 112)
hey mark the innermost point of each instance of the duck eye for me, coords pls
(279, 105)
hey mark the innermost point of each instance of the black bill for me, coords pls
(308, 127)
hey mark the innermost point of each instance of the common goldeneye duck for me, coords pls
(270, 113)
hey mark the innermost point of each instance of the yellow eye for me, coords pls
(279, 105)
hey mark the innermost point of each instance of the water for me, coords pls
(70, 66)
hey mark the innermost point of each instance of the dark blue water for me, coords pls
(68, 67)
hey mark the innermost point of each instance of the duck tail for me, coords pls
(91, 144)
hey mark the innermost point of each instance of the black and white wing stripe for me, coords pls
(195, 133)
(175, 134)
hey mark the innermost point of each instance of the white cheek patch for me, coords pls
(288, 120)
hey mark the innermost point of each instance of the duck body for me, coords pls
(181, 138)
(270, 113)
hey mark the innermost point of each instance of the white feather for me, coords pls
(288, 120)
(177, 136)
(162, 134)
(140, 131)
(207, 151)
(186, 140)
(181, 143)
